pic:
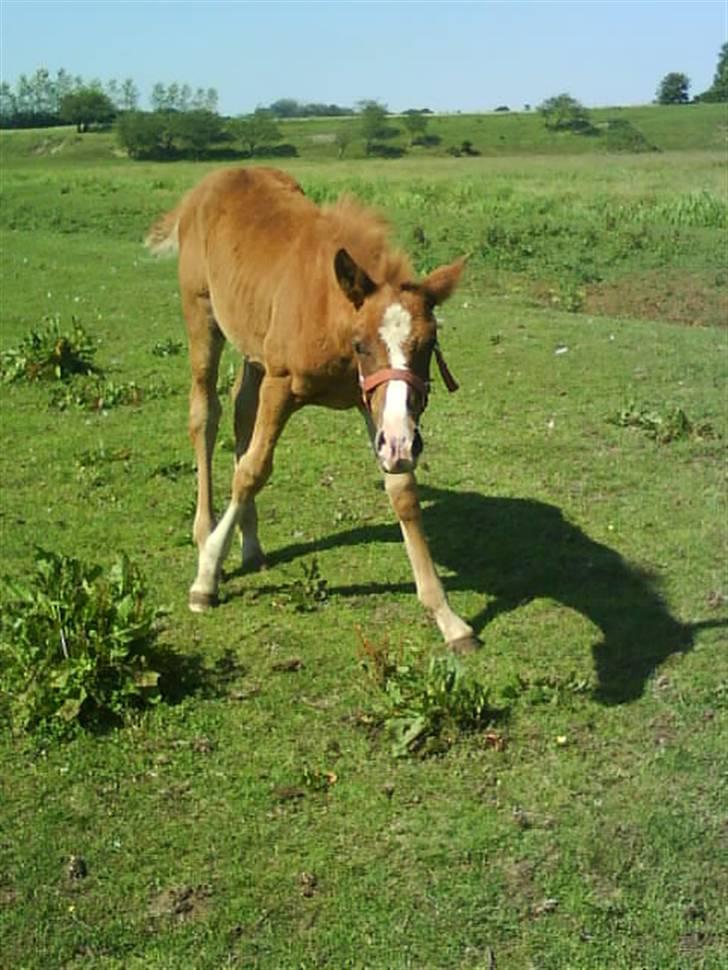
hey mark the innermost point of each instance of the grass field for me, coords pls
(258, 818)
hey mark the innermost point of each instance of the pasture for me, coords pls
(257, 817)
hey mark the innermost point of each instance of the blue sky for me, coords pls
(447, 56)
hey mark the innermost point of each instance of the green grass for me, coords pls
(590, 557)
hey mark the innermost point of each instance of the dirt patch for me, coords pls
(181, 903)
(694, 299)
(8, 896)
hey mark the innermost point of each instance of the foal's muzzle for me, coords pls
(398, 453)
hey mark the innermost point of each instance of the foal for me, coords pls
(323, 311)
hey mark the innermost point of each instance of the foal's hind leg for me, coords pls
(245, 400)
(252, 470)
(206, 343)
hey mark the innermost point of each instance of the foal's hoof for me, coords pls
(255, 563)
(201, 602)
(463, 645)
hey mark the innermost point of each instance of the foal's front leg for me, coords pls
(252, 470)
(402, 491)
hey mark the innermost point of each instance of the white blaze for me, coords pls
(394, 331)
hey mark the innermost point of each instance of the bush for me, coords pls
(564, 113)
(48, 354)
(465, 148)
(427, 141)
(75, 646)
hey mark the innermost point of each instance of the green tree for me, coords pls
(8, 106)
(85, 107)
(211, 99)
(256, 130)
(285, 108)
(562, 112)
(416, 124)
(718, 91)
(138, 133)
(114, 92)
(185, 98)
(64, 84)
(195, 132)
(372, 123)
(129, 95)
(43, 97)
(673, 89)
(173, 100)
(158, 98)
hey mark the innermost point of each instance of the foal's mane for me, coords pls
(365, 234)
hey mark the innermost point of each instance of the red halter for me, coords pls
(368, 384)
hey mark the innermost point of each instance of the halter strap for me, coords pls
(368, 384)
(445, 373)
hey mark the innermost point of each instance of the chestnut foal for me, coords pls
(323, 311)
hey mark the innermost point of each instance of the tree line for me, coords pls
(42, 100)
(166, 133)
(184, 122)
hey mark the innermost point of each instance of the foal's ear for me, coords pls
(441, 282)
(352, 279)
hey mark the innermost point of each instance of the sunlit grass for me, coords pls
(261, 819)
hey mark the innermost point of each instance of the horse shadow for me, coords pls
(516, 550)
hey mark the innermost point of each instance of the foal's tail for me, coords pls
(162, 238)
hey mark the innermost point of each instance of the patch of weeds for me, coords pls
(547, 690)
(92, 462)
(569, 296)
(663, 425)
(49, 354)
(102, 395)
(167, 348)
(426, 706)
(75, 646)
(310, 593)
(173, 470)
(318, 779)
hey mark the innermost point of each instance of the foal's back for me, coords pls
(240, 233)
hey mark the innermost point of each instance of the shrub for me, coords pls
(75, 645)
(564, 113)
(48, 354)
(466, 149)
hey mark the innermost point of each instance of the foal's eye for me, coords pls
(359, 347)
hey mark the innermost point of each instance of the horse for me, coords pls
(324, 311)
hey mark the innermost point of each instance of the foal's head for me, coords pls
(394, 337)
